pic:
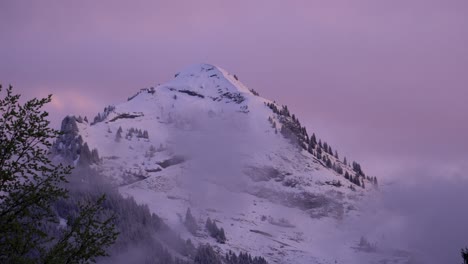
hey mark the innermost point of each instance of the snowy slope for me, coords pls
(205, 141)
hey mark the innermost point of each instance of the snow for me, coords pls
(224, 140)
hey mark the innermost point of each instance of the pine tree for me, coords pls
(311, 145)
(209, 225)
(118, 135)
(339, 169)
(94, 156)
(145, 134)
(319, 150)
(357, 168)
(221, 237)
(215, 232)
(464, 254)
(310, 149)
(313, 139)
(206, 255)
(190, 222)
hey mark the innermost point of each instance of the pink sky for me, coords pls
(385, 82)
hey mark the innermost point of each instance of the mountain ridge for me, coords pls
(207, 142)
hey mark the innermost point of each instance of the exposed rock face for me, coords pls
(71, 147)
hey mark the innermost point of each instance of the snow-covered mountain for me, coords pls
(205, 141)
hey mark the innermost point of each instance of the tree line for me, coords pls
(292, 129)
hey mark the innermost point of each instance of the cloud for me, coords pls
(71, 102)
(424, 213)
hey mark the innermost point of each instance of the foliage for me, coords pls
(86, 237)
(243, 258)
(206, 255)
(215, 232)
(190, 222)
(30, 184)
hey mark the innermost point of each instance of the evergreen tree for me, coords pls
(221, 236)
(339, 169)
(206, 255)
(313, 139)
(310, 149)
(357, 181)
(29, 186)
(190, 222)
(215, 232)
(209, 225)
(464, 254)
(285, 111)
(118, 135)
(357, 168)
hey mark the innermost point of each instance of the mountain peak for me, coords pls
(205, 141)
(198, 68)
(204, 77)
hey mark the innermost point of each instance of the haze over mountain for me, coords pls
(384, 82)
(205, 142)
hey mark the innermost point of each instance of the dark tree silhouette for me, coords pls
(190, 222)
(29, 186)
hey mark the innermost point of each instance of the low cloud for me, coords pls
(423, 212)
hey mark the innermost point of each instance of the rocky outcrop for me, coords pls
(70, 146)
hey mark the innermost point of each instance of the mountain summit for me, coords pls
(241, 163)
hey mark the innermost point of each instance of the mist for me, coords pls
(217, 147)
(423, 212)
(420, 208)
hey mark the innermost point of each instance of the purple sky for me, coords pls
(385, 82)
